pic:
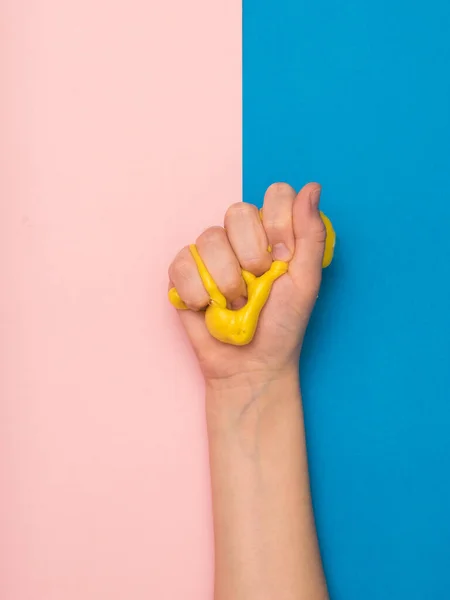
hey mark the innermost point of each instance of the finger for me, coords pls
(184, 275)
(310, 236)
(215, 249)
(277, 220)
(248, 238)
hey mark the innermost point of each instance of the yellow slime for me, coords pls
(238, 327)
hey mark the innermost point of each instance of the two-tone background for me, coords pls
(127, 127)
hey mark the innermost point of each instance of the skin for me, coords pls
(238, 326)
(233, 326)
(265, 539)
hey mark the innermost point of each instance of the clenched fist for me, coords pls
(291, 230)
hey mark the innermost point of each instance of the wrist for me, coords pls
(239, 399)
(251, 378)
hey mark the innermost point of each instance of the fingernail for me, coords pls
(281, 252)
(314, 197)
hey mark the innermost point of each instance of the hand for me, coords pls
(291, 225)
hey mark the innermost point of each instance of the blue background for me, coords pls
(356, 95)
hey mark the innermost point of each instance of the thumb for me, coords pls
(310, 235)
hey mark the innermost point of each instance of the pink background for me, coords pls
(121, 139)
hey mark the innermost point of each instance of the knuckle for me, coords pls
(231, 283)
(181, 267)
(280, 189)
(240, 209)
(320, 231)
(180, 271)
(184, 276)
(256, 264)
(210, 235)
(278, 225)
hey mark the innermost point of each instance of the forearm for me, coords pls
(265, 539)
